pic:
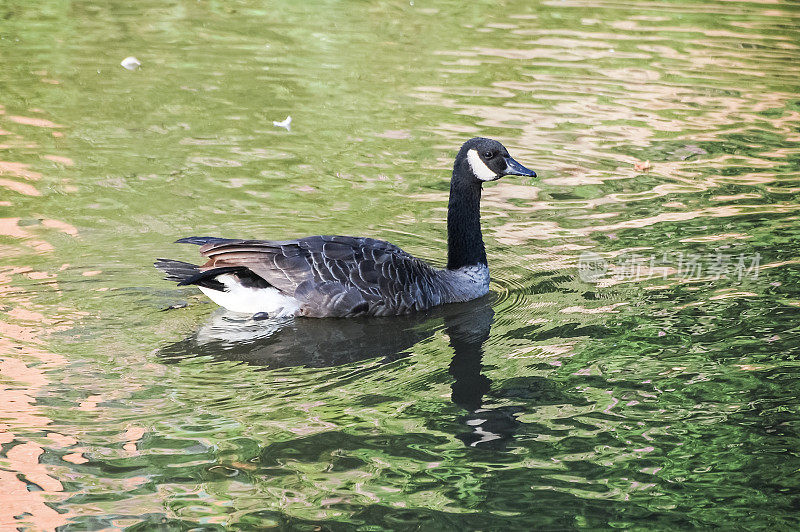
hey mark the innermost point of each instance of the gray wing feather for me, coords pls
(330, 299)
(334, 275)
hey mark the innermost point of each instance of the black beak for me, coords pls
(514, 168)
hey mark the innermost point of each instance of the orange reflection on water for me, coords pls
(23, 371)
(20, 188)
(19, 169)
(24, 367)
(10, 227)
(31, 121)
(59, 159)
(28, 485)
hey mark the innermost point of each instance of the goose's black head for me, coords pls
(482, 159)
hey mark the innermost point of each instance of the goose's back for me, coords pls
(334, 275)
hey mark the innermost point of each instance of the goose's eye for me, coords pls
(488, 154)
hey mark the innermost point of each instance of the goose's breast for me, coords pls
(466, 283)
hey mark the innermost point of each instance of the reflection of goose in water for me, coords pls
(468, 332)
(286, 342)
(325, 343)
(319, 343)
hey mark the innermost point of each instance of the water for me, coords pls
(635, 365)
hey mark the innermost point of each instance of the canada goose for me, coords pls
(344, 276)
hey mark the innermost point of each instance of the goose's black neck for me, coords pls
(464, 239)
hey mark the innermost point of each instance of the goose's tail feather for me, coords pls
(185, 273)
(176, 270)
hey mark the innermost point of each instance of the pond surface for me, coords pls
(636, 364)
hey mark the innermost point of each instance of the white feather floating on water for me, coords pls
(131, 63)
(286, 124)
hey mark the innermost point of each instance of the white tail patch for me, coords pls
(239, 298)
(479, 168)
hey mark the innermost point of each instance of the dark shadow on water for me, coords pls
(320, 343)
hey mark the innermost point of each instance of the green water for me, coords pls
(635, 366)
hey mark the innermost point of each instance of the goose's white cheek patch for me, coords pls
(479, 168)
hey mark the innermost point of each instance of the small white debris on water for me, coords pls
(286, 124)
(131, 63)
